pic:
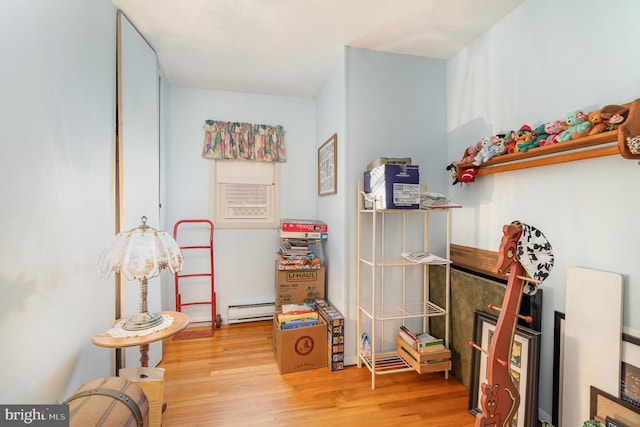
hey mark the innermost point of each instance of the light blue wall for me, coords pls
(330, 119)
(542, 61)
(396, 107)
(58, 113)
(244, 259)
(379, 105)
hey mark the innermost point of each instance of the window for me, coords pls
(244, 194)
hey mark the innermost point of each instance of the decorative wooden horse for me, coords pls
(500, 397)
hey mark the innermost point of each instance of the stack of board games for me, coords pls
(295, 316)
(335, 333)
(301, 239)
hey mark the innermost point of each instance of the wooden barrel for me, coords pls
(108, 402)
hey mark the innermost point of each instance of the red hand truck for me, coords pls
(191, 251)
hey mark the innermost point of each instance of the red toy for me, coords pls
(468, 175)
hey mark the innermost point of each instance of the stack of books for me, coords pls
(299, 239)
(295, 316)
(296, 254)
(422, 342)
(294, 249)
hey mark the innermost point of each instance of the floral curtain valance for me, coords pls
(232, 140)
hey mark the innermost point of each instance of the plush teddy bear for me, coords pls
(598, 122)
(488, 151)
(607, 118)
(577, 125)
(500, 141)
(552, 129)
(510, 143)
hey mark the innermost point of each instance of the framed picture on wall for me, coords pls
(327, 167)
(525, 361)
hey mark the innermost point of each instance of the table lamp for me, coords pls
(140, 254)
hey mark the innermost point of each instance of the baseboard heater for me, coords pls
(251, 312)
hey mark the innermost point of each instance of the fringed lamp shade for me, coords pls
(140, 254)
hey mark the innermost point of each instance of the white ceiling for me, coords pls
(288, 47)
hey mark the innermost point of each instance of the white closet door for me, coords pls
(140, 161)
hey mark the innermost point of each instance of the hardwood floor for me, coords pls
(232, 379)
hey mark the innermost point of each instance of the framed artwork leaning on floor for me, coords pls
(525, 362)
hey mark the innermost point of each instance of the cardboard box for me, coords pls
(299, 286)
(300, 349)
(394, 186)
(151, 381)
(335, 333)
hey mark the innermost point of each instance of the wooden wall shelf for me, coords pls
(599, 145)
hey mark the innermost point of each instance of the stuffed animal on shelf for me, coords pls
(453, 170)
(468, 157)
(598, 122)
(577, 125)
(470, 154)
(607, 118)
(510, 143)
(617, 110)
(468, 175)
(488, 151)
(523, 137)
(538, 134)
(552, 129)
(500, 141)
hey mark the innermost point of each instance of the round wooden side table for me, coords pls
(180, 322)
